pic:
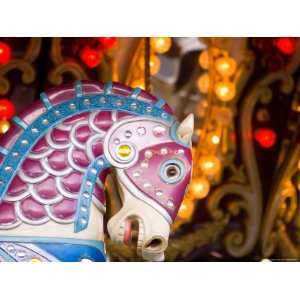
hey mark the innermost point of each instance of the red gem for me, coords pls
(5, 53)
(7, 109)
(286, 45)
(107, 42)
(265, 137)
(90, 57)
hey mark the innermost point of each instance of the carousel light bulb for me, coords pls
(4, 126)
(213, 138)
(161, 44)
(210, 165)
(225, 90)
(154, 64)
(186, 209)
(203, 83)
(226, 66)
(200, 187)
(204, 60)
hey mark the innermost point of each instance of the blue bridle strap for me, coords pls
(86, 192)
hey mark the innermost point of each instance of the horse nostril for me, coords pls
(154, 244)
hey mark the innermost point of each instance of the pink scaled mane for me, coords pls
(47, 184)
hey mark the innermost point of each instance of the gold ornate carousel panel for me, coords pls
(149, 149)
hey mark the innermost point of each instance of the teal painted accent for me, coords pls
(160, 103)
(3, 151)
(174, 136)
(108, 88)
(19, 122)
(135, 93)
(45, 100)
(78, 89)
(86, 192)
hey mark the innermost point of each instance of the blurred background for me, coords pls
(243, 202)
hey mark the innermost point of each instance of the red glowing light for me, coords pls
(265, 137)
(286, 45)
(107, 42)
(5, 53)
(7, 109)
(90, 57)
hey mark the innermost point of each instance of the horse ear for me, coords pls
(185, 129)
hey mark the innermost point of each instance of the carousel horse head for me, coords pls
(54, 165)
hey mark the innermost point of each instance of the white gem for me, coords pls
(57, 112)
(45, 122)
(89, 183)
(146, 185)
(148, 154)
(86, 101)
(83, 221)
(144, 164)
(94, 171)
(170, 203)
(34, 130)
(164, 151)
(8, 168)
(15, 154)
(141, 131)
(159, 130)
(10, 248)
(133, 105)
(136, 174)
(72, 105)
(86, 195)
(159, 193)
(102, 100)
(83, 209)
(149, 109)
(24, 142)
(100, 162)
(180, 151)
(119, 103)
(21, 254)
(128, 134)
(117, 141)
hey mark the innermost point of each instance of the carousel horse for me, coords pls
(54, 161)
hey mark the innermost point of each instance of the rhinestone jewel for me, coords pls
(164, 151)
(159, 193)
(128, 134)
(148, 154)
(147, 185)
(124, 150)
(141, 131)
(170, 203)
(159, 130)
(137, 174)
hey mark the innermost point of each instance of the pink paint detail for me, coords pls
(7, 213)
(80, 158)
(103, 120)
(65, 209)
(41, 146)
(16, 187)
(97, 148)
(72, 182)
(57, 160)
(60, 136)
(174, 192)
(83, 133)
(80, 117)
(32, 168)
(32, 209)
(47, 188)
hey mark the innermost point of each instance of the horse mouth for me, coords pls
(132, 232)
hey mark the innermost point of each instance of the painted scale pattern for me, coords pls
(46, 186)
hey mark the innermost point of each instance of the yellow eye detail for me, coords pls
(124, 151)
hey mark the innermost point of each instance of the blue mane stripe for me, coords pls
(18, 121)
(45, 100)
(42, 124)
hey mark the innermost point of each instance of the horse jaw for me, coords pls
(154, 229)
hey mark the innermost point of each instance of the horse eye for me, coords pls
(172, 171)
